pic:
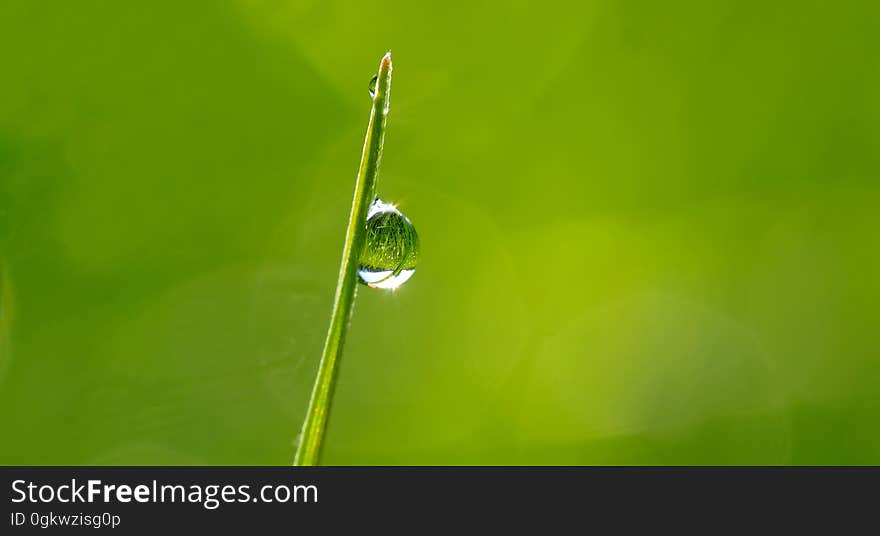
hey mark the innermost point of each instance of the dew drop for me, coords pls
(373, 85)
(391, 251)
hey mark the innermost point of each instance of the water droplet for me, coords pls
(391, 251)
(373, 85)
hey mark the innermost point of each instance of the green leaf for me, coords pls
(309, 450)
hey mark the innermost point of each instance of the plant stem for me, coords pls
(311, 438)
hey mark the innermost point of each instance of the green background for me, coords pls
(649, 231)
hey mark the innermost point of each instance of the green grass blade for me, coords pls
(311, 438)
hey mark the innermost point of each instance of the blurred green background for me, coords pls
(649, 231)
